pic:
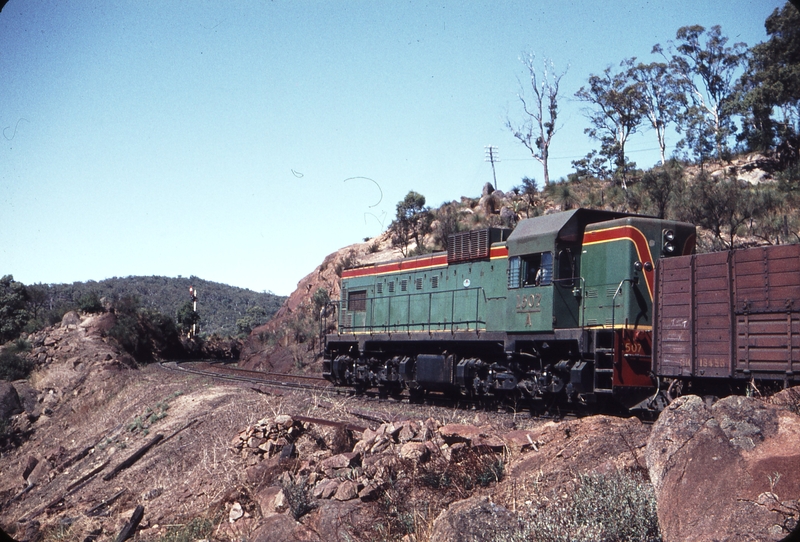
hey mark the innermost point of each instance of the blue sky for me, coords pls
(242, 142)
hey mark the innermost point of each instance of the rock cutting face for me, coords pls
(727, 471)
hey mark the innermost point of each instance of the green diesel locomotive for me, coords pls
(559, 309)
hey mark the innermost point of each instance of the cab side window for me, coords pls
(530, 270)
(514, 272)
(538, 269)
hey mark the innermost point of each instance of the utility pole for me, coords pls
(193, 293)
(492, 155)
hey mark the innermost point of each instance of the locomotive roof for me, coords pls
(541, 233)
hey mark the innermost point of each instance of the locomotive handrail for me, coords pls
(583, 302)
(614, 297)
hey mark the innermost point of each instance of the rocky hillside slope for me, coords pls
(218, 461)
(290, 341)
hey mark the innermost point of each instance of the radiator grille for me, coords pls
(468, 245)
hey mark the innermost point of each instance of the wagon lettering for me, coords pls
(711, 363)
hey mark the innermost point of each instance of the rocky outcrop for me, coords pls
(476, 519)
(427, 458)
(79, 339)
(726, 471)
(9, 401)
(77, 347)
(268, 437)
(288, 339)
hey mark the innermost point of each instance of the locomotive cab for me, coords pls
(618, 264)
(544, 259)
(580, 302)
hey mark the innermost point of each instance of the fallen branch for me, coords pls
(30, 486)
(86, 476)
(179, 430)
(370, 416)
(75, 458)
(133, 458)
(105, 502)
(73, 487)
(129, 528)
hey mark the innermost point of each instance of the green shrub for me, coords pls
(492, 471)
(145, 334)
(90, 302)
(13, 312)
(465, 474)
(126, 332)
(349, 260)
(620, 506)
(14, 366)
(320, 299)
(196, 529)
(255, 316)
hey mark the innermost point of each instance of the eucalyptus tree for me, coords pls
(705, 65)
(725, 206)
(412, 221)
(540, 110)
(659, 185)
(615, 114)
(769, 89)
(660, 97)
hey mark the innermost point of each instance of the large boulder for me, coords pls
(727, 471)
(596, 444)
(28, 395)
(475, 519)
(71, 318)
(9, 401)
(282, 527)
(336, 520)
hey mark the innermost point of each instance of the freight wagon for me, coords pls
(729, 320)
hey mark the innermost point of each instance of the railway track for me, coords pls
(317, 384)
(225, 371)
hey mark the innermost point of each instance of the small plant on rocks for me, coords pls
(196, 529)
(13, 364)
(620, 506)
(298, 495)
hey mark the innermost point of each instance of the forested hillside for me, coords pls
(219, 306)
